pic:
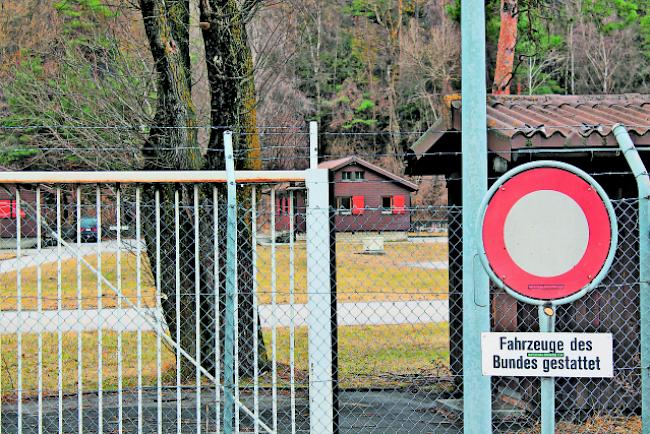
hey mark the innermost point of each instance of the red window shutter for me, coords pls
(14, 207)
(5, 209)
(399, 204)
(358, 204)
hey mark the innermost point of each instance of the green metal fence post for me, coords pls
(231, 289)
(547, 325)
(477, 411)
(643, 183)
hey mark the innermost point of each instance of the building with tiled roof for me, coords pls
(576, 130)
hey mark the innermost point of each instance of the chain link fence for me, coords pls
(114, 311)
(590, 405)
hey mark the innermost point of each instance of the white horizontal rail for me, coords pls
(187, 176)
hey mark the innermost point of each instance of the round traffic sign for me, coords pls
(548, 232)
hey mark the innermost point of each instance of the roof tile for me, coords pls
(565, 115)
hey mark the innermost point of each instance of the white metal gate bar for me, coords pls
(19, 308)
(138, 286)
(256, 380)
(59, 306)
(177, 277)
(153, 177)
(292, 316)
(217, 319)
(159, 306)
(39, 308)
(118, 223)
(100, 290)
(79, 308)
(274, 330)
(197, 304)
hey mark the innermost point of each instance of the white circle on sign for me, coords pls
(546, 233)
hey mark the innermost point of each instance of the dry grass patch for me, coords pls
(369, 356)
(361, 278)
(597, 425)
(89, 361)
(378, 355)
(89, 297)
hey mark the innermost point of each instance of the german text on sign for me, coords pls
(547, 354)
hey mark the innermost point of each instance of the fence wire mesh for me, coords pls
(585, 404)
(114, 310)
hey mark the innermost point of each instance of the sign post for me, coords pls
(477, 412)
(547, 384)
(548, 235)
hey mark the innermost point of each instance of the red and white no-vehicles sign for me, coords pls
(548, 232)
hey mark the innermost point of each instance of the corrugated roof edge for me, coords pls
(547, 117)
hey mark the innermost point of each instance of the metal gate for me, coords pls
(166, 302)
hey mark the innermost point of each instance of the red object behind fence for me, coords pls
(358, 204)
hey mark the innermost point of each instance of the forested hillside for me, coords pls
(372, 71)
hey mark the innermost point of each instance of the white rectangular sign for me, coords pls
(547, 354)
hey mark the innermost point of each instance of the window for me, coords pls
(347, 205)
(344, 205)
(386, 205)
(357, 175)
(393, 205)
(281, 205)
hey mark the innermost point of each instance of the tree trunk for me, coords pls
(233, 106)
(171, 145)
(166, 24)
(230, 72)
(506, 48)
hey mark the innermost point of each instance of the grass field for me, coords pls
(367, 353)
(369, 356)
(361, 277)
(89, 297)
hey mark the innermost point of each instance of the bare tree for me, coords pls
(431, 61)
(604, 59)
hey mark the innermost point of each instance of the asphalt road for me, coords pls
(360, 412)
